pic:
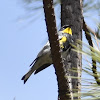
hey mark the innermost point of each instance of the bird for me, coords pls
(44, 58)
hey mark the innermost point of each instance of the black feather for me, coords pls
(41, 68)
(23, 78)
(65, 26)
(34, 61)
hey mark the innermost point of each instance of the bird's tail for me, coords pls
(26, 76)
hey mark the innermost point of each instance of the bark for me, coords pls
(63, 82)
(71, 13)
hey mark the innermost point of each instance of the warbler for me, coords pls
(44, 58)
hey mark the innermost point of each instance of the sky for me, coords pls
(20, 42)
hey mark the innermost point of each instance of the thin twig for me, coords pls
(88, 30)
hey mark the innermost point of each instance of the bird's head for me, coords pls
(64, 32)
(66, 29)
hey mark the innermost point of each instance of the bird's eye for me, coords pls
(65, 26)
(60, 38)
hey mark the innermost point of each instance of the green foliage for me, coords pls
(90, 88)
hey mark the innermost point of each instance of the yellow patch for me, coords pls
(63, 40)
(68, 30)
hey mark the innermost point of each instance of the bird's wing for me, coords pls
(42, 68)
(44, 50)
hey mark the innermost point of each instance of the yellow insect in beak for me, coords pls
(68, 30)
(63, 40)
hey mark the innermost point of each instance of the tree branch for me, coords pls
(63, 82)
(88, 30)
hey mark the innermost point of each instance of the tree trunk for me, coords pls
(63, 82)
(71, 13)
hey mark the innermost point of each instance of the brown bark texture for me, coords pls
(71, 13)
(63, 81)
